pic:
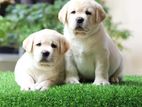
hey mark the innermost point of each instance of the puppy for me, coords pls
(93, 55)
(42, 65)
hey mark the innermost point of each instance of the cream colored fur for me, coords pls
(92, 55)
(35, 72)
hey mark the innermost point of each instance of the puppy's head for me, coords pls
(81, 15)
(46, 46)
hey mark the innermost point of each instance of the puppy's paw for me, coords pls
(33, 88)
(72, 80)
(25, 88)
(44, 88)
(39, 86)
(115, 79)
(101, 82)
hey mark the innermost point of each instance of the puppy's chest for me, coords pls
(85, 61)
(39, 75)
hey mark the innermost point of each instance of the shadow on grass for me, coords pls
(130, 83)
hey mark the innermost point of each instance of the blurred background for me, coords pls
(128, 14)
(19, 18)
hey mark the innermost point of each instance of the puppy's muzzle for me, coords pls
(79, 20)
(45, 54)
(79, 23)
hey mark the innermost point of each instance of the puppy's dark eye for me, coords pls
(88, 13)
(53, 45)
(73, 12)
(38, 44)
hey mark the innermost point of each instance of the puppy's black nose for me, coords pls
(45, 53)
(79, 20)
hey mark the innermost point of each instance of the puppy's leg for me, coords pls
(25, 81)
(44, 85)
(117, 76)
(71, 71)
(101, 73)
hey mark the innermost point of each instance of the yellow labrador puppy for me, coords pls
(93, 55)
(42, 65)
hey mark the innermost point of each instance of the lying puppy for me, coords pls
(42, 65)
(93, 55)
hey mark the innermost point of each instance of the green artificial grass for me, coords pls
(126, 94)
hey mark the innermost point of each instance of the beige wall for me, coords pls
(128, 13)
(8, 61)
(7, 66)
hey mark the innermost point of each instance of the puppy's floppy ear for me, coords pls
(99, 13)
(62, 15)
(64, 45)
(28, 43)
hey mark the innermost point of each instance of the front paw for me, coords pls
(101, 82)
(72, 80)
(26, 88)
(40, 87)
(114, 80)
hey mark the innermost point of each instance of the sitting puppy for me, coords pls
(42, 65)
(93, 55)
